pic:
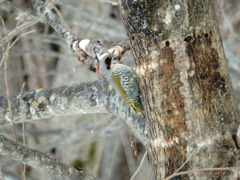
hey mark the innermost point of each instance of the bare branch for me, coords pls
(85, 98)
(202, 170)
(87, 51)
(50, 18)
(40, 161)
(140, 166)
(29, 21)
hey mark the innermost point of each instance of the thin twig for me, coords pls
(138, 169)
(23, 135)
(195, 151)
(201, 170)
(14, 42)
(18, 29)
(24, 34)
(5, 56)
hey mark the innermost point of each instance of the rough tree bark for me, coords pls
(192, 113)
(86, 98)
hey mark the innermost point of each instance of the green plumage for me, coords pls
(124, 81)
(126, 84)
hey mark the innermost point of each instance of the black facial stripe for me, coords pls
(107, 60)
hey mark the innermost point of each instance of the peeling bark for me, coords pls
(185, 84)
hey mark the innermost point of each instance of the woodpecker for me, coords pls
(123, 80)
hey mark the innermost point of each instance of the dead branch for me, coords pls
(202, 170)
(40, 161)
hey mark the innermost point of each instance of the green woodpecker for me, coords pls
(123, 80)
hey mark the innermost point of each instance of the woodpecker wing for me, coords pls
(123, 93)
(120, 88)
(136, 108)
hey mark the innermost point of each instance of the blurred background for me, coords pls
(39, 58)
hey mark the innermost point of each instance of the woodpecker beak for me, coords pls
(99, 74)
(111, 54)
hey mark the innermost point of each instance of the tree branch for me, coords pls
(40, 161)
(84, 98)
(49, 17)
(87, 51)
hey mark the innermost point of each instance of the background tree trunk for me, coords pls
(187, 93)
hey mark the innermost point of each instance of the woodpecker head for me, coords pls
(104, 65)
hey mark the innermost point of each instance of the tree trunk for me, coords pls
(187, 94)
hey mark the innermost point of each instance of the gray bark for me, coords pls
(85, 98)
(40, 161)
